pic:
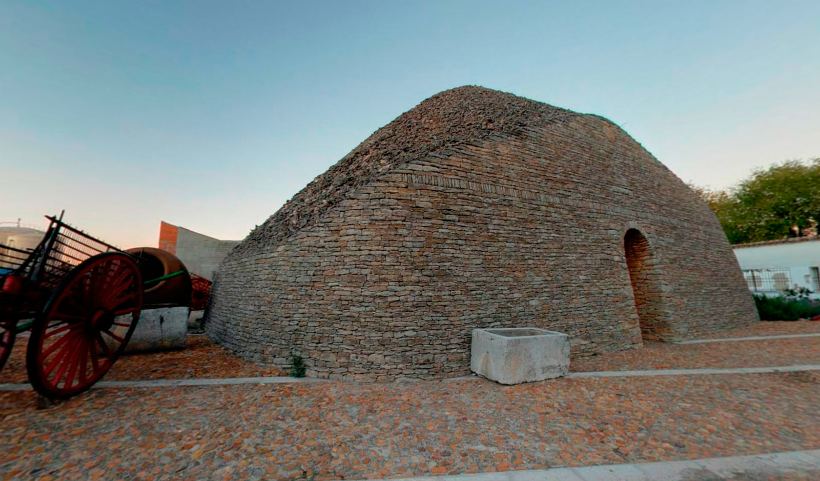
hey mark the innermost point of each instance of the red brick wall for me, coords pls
(168, 237)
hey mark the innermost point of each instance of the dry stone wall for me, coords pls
(518, 228)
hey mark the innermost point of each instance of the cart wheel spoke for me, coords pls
(69, 317)
(59, 348)
(119, 283)
(58, 344)
(92, 351)
(118, 338)
(66, 359)
(8, 331)
(58, 330)
(122, 282)
(124, 292)
(83, 361)
(124, 305)
(74, 363)
(96, 281)
(70, 307)
(103, 345)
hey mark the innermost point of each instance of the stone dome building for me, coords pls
(477, 208)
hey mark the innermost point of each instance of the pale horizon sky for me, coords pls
(211, 115)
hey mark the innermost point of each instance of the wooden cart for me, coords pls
(80, 297)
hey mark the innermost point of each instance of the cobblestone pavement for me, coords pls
(340, 430)
(201, 358)
(337, 430)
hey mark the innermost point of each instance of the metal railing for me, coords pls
(768, 280)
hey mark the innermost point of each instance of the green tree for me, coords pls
(727, 210)
(767, 204)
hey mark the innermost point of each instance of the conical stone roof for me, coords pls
(461, 116)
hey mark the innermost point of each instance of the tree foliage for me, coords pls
(769, 203)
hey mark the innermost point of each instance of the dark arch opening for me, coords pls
(643, 276)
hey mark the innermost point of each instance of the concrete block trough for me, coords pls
(159, 329)
(516, 355)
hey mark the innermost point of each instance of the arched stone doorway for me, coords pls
(644, 277)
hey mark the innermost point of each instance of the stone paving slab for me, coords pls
(748, 338)
(657, 355)
(794, 465)
(335, 430)
(770, 328)
(697, 372)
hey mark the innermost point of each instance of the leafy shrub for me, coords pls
(785, 308)
(297, 366)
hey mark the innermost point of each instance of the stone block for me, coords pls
(516, 355)
(160, 329)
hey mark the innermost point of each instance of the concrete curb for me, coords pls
(200, 382)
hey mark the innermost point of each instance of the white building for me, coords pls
(771, 267)
(19, 237)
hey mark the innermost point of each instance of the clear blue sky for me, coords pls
(212, 114)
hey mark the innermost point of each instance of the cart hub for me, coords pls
(102, 320)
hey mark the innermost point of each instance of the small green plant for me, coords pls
(305, 476)
(297, 366)
(786, 308)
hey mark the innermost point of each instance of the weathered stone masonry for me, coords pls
(477, 209)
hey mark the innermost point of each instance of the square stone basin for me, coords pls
(159, 329)
(519, 354)
(518, 332)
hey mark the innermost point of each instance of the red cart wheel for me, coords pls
(8, 330)
(85, 325)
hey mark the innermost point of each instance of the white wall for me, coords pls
(201, 254)
(796, 258)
